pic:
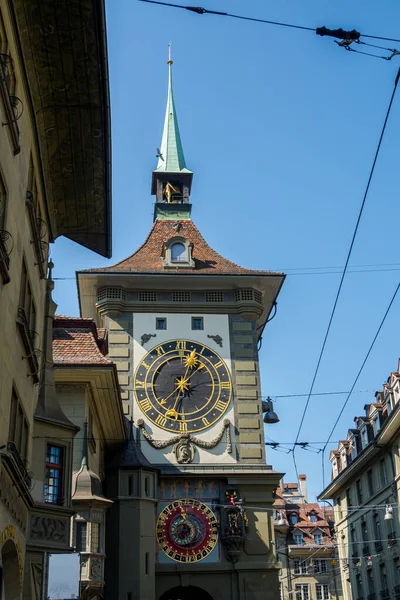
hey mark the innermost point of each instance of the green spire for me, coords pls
(170, 154)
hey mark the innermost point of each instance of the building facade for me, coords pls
(54, 180)
(365, 491)
(88, 393)
(192, 496)
(305, 546)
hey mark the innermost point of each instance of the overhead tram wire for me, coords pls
(347, 260)
(359, 372)
(323, 31)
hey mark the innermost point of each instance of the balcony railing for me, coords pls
(6, 244)
(28, 337)
(13, 450)
(392, 541)
(384, 594)
(39, 233)
(12, 105)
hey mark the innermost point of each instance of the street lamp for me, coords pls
(270, 415)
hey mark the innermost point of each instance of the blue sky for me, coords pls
(280, 128)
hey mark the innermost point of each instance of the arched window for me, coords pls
(178, 253)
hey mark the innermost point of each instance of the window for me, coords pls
(293, 519)
(320, 565)
(161, 323)
(313, 517)
(370, 580)
(359, 491)
(146, 563)
(359, 586)
(302, 591)
(81, 533)
(54, 474)
(370, 482)
(18, 430)
(339, 507)
(364, 531)
(348, 497)
(26, 299)
(383, 577)
(317, 538)
(178, 253)
(300, 567)
(377, 523)
(95, 538)
(322, 591)
(364, 437)
(147, 296)
(197, 323)
(375, 424)
(214, 296)
(383, 472)
(298, 539)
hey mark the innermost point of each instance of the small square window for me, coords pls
(161, 323)
(197, 323)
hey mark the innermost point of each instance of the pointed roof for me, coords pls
(149, 257)
(170, 156)
(131, 456)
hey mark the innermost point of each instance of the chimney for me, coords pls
(303, 487)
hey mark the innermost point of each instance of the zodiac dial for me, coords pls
(187, 530)
(182, 386)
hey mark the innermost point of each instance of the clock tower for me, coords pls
(192, 514)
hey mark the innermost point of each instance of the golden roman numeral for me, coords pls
(218, 364)
(205, 421)
(139, 385)
(161, 420)
(225, 385)
(219, 405)
(202, 350)
(182, 426)
(160, 350)
(145, 405)
(147, 367)
(180, 346)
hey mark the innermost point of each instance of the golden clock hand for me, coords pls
(171, 412)
(194, 372)
(163, 400)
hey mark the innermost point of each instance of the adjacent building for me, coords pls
(192, 494)
(305, 546)
(54, 180)
(365, 491)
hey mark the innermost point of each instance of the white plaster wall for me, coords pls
(179, 326)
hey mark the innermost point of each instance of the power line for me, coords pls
(364, 361)
(323, 31)
(348, 255)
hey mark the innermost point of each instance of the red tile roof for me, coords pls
(149, 257)
(77, 341)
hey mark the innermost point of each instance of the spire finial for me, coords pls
(84, 461)
(170, 61)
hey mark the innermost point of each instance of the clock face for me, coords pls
(182, 386)
(187, 530)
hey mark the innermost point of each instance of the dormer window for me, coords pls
(293, 519)
(313, 517)
(298, 539)
(317, 538)
(178, 253)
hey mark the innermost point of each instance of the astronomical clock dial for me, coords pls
(182, 386)
(187, 530)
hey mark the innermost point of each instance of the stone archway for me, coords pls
(11, 571)
(186, 593)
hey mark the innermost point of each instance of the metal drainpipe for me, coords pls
(44, 575)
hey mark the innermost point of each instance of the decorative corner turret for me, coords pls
(171, 181)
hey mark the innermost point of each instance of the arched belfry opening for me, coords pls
(186, 593)
(11, 571)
